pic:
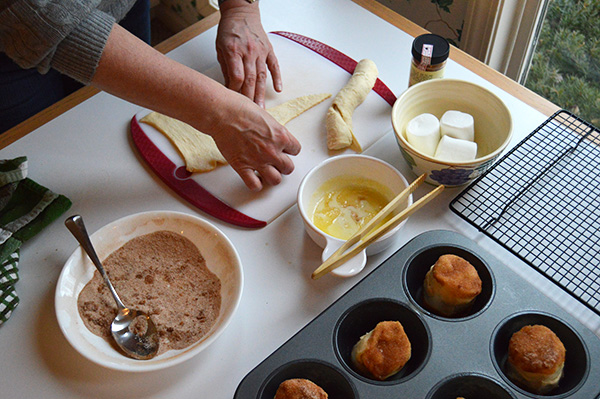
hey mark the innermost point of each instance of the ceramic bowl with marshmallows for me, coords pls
(451, 129)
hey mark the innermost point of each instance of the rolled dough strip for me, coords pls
(339, 115)
(199, 150)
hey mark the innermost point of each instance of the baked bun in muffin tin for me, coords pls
(451, 286)
(300, 388)
(383, 351)
(536, 358)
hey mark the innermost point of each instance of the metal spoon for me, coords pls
(141, 344)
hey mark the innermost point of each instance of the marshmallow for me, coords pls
(455, 150)
(457, 124)
(423, 133)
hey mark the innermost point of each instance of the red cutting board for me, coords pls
(304, 72)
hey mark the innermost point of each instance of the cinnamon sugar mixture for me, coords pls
(163, 274)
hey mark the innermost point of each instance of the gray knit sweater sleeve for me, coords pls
(68, 36)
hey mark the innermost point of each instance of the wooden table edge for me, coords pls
(522, 93)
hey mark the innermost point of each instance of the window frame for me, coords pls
(504, 33)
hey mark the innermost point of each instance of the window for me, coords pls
(550, 46)
(502, 33)
(565, 66)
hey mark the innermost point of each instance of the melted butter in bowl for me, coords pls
(343, 204)
(340, 195)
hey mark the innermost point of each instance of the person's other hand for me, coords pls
(245, 52)
(255, 144)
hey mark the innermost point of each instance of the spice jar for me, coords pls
(429, 55)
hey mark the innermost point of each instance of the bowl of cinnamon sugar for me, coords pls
(179, 269)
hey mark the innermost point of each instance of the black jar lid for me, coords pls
(441, 47)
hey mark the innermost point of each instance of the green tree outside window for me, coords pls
(566, 64)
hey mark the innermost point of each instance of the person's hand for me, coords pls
(245, 52)
(255, 144)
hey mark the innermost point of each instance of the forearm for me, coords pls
(136, 72)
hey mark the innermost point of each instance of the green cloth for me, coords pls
(25, 209)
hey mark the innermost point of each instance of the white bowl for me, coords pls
(362, 166)
(219, 253)
(493, 127)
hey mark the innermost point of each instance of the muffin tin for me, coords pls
(451, 357)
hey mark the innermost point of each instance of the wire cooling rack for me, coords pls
(541, 201)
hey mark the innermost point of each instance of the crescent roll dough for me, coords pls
(200, 151)
(339, 114)
(285, 112)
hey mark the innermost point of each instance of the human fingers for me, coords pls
(250, 179)
(273, 65)
(266, 168)
(285, 165)
(250, 77)
(292, 146)
(270, 175)
(223, 65)
(261, 83)
(235, 70)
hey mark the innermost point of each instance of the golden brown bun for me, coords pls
(536, 358)
(298, 388)
(382, 352)
(451, 285)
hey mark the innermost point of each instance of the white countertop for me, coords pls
(86, 154)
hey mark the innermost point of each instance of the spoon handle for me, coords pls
(77, 228)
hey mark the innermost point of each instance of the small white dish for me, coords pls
(218, 251)
(360, 166)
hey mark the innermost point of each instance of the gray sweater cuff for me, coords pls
(79, 53)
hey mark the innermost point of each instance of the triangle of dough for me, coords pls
(199, 150)
(283, 113)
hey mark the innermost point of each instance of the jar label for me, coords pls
(417, 75)
(426, 54)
